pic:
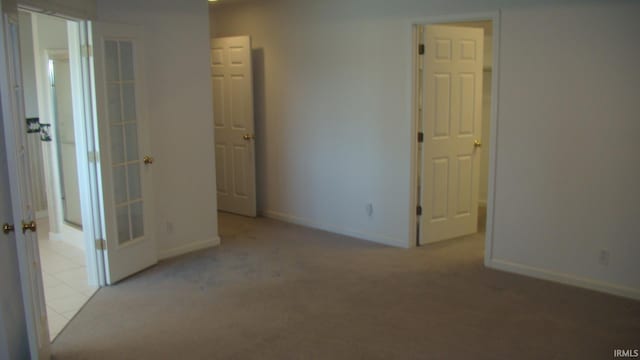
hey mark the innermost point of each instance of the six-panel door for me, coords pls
(451, 123)
(231, 80)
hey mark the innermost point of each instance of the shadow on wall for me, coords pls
(259, 106)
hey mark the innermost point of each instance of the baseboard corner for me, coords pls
(191, 247)
(561, 278)
(383, 240)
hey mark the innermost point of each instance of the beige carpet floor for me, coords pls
(279, 291)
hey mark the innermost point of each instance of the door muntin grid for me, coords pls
(123, 134)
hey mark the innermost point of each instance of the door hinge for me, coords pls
(101, 244)
(420, 137)
(419, 210)
(86, 51)
(421, 49)
(8, 228)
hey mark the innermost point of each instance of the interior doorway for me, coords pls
(454, 114)
(110, 128)
(69, 279)
(233, 118)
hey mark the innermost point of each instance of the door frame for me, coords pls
(494, 17)
(81, 87)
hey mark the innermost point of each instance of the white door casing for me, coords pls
(123, 128)
(13, 115)
(452, 114)
(232, 82)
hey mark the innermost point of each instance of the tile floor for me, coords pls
(64, 275)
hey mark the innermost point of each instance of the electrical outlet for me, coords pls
(369, 209)
(603, 259)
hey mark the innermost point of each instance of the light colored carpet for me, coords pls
(279, 291)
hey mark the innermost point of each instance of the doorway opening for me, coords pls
(455, 100)
(113, 162)
(69, 272)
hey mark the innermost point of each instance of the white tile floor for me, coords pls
(64, 275)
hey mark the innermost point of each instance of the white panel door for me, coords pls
(125, 162)
(15, 132)
(232, 82)
(451, 124)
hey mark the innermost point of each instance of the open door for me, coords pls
(24, 226)
(125, 160)
(452, 125)
(231, 79)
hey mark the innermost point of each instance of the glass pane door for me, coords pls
(123, 130)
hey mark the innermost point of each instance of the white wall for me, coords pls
(180, 113)
(568, 144)
(333, 90)
(28, 65)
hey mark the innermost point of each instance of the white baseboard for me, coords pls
(566, 279)
(195, 246)
(72, 236)
(334, 229)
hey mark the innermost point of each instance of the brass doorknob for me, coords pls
(248, 136)
(29, 226)
(477, 143)
(148, 160)
(7, 228)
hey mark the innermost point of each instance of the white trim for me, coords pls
(96, 230)
(397, 242)
(449, 18)
(562, 278)
(415, 158)
(494, 17)
(493, 139)
(61, 9)
(85, 238)
(181, 250)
